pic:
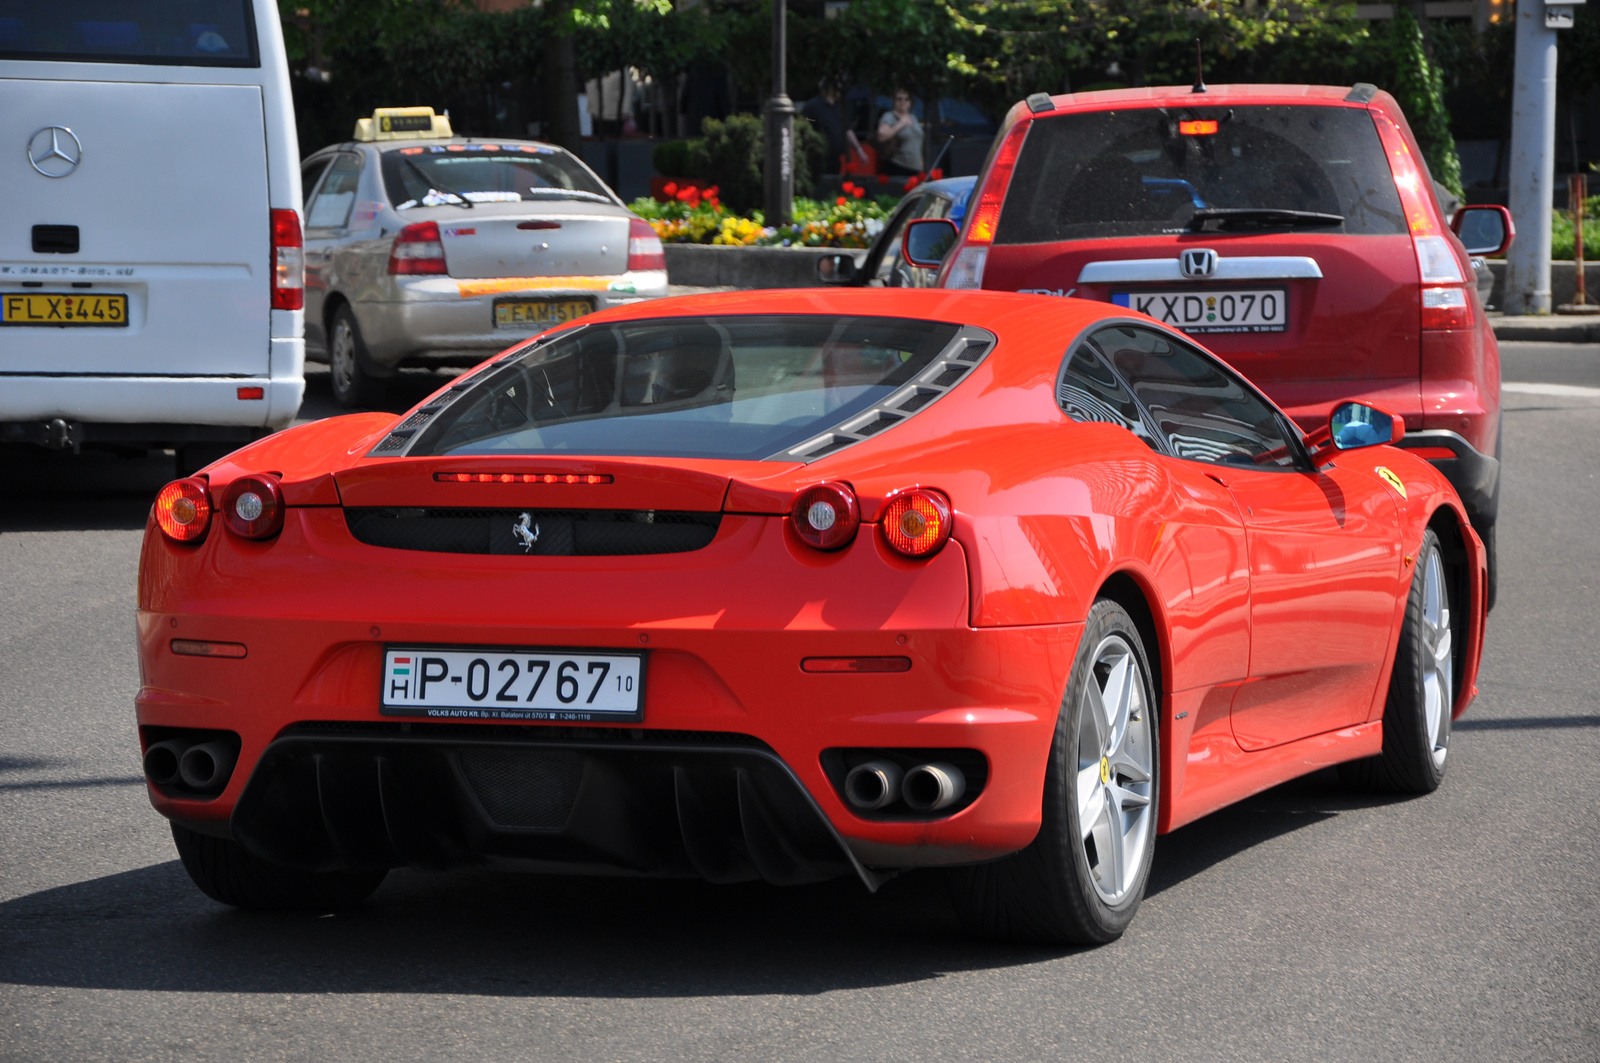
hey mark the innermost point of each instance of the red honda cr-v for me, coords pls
(1292, 229)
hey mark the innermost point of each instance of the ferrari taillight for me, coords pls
(916, 522)
(252, 506)
(826, 516)
(183, 510)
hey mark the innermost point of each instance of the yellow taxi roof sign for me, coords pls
(403, 123)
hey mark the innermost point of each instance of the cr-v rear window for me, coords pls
(153, 32)
(1147, 171)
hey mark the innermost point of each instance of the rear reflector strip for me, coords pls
(1431, 453)
(522, 478)
(856, 664)
(252, 393)
(196, 648)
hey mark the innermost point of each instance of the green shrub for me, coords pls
(1561, 242)
(732, 156)
(671, 158)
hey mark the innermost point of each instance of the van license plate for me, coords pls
(520, 313)
(64, 309)
(1229, 310)
(505, 683)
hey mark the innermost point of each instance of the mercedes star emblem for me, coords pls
(55, 151)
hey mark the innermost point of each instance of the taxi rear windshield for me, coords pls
(154, 32)
(738, 387)
(445, 174)
(1154, 171)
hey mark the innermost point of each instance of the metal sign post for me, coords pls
(779, 183)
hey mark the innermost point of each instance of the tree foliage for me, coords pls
(1419, 86)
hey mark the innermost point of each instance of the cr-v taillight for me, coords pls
(1443, 296)
(644, 247)
(966, 266)
(1444, 292)
(418, 249)
(288, 262)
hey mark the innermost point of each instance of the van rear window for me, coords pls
(1154, 171)
(155, 32)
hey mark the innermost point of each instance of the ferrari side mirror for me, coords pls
(836, 269)
(1485, 230)
(927, 241)
(1353, 425)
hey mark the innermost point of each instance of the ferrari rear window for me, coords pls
(740, 387)
(1152, 171)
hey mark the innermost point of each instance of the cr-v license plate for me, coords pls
(1213, 310)
(504, 683)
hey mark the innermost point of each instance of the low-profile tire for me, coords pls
(1422, 688)
(225, 872)
(349, 369)
(1082, 878)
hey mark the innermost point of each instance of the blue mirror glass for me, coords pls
(928, 241)
(1354, 425)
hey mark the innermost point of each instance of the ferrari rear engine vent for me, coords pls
(533, 532)
(401, 433)
(953, 365)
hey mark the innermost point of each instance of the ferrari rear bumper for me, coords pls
(722, 807)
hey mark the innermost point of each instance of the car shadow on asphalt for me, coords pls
(510, 934)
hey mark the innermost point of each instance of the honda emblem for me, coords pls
(1197, 263)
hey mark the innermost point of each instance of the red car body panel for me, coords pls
(1275, 611)
(1355, 333)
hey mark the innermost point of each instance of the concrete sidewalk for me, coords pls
(1546, 328)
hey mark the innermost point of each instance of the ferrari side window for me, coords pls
(1205, 412)
(1090, 391)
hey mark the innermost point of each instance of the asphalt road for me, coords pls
(1302, 924)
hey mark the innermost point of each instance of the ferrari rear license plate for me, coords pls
(512, 684)
(519, 313)
(64, 309)
(1228, 310)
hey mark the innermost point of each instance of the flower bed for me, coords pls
(697, 216)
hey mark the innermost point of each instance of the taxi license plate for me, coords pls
(1213, 310)
(64, 309)
(520, 313)
(502, 683)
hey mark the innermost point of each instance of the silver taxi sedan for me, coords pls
(424, 248)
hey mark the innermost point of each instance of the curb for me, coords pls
(1546, 328)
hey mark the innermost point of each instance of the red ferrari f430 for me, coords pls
(788, 585)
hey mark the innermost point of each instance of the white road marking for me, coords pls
(1571, 391)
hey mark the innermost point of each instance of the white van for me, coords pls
(151, 261)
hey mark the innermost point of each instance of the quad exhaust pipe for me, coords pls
(877, 784)
(204, 767)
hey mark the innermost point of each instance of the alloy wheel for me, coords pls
(1438, 663)
(342, 357)
(1115, 770)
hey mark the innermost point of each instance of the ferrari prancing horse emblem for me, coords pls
(526, 535)
(1391, 479)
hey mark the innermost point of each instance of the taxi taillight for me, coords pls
(183, 510)
(916, 521)
(418, 249)
(644, 247)
(288, 262)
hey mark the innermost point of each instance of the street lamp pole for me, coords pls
(1533, 135)
(780, 128)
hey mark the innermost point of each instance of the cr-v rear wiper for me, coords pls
(1233, 219)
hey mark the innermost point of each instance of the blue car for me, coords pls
(883, 265)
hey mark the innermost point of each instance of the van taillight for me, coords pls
(288, 262)
(644, 247)
(418, 249)
(966, 265)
